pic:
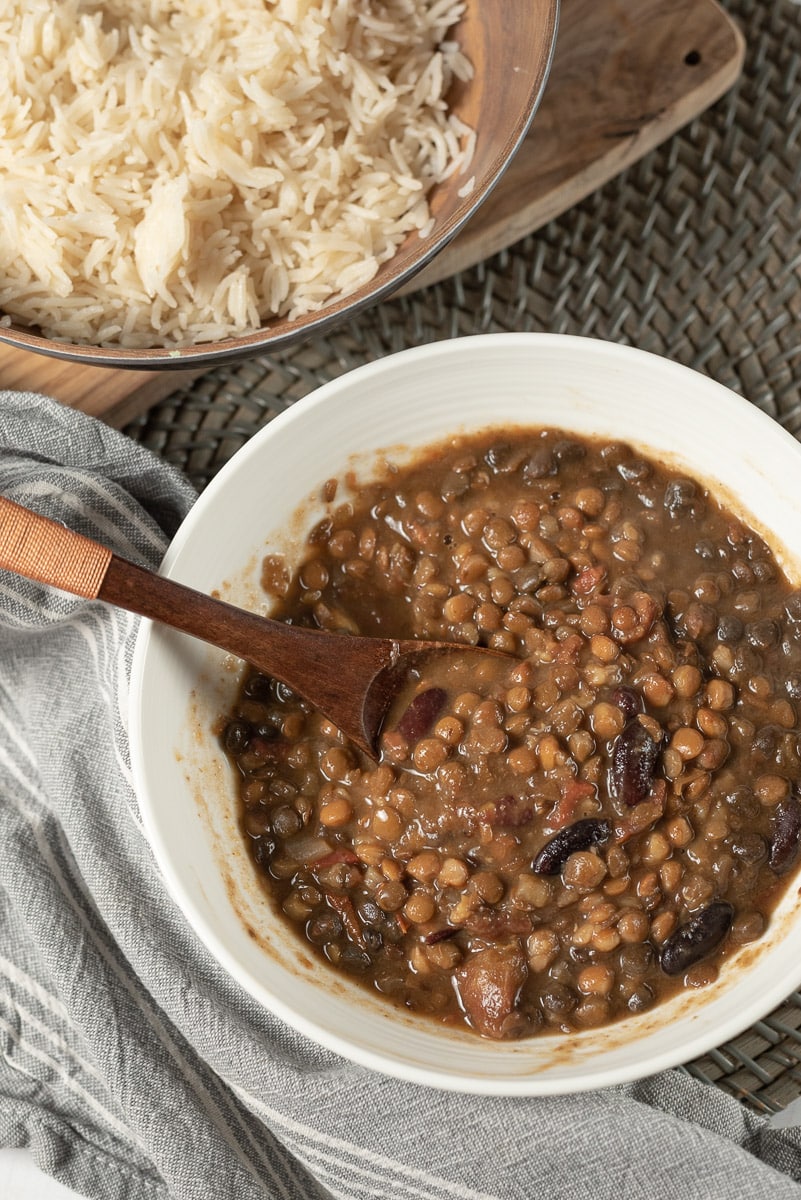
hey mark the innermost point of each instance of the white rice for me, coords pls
(178, 171)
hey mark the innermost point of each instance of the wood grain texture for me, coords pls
(625, 77)
(115, 396)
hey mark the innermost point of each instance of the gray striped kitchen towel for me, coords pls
(131, 1065)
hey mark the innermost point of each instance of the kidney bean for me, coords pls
(421, 714)
(697, 938)
(578, 836)
(628, 700)
(635, 755)
(785, 835)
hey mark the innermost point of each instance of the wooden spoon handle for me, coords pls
(351, 680)
(43, 550)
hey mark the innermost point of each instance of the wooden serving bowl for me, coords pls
(510, 44)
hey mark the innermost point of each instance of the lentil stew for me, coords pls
(557, 839)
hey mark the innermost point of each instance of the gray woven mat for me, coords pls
(693, 253)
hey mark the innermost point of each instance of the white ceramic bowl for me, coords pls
(179, 686)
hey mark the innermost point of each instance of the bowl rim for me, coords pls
(695, 1043)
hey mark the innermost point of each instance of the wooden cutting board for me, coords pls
(626, 75)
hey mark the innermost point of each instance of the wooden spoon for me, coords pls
(351, 680)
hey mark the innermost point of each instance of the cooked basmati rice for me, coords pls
(177, 171)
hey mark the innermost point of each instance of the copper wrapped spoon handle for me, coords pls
(351, 680)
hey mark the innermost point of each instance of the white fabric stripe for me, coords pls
(44, 997)
(105, 659)
(150, 1016)
(129, 511)
(53, 1036)
(108, 693)
(16, 773)
(121, 693)
(106, 527)
(372, 1182)
(335, 1192)
(11, 732)
(24, 981)
(308, 1136)
(12, 622)
(108, 681)
(71, 1083)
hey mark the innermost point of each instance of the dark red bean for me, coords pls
(578, 836)
(785, 835)
(421, 714)
(697, 938)
(635, 755)
(628, 700)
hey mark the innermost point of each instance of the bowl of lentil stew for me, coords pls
(576, 869)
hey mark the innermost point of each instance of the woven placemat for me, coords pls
(694, 253)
